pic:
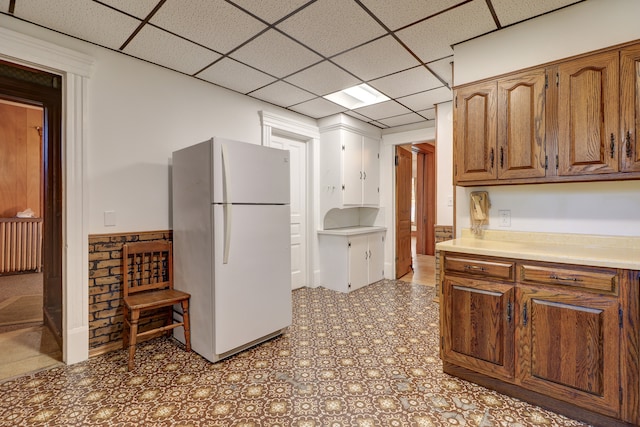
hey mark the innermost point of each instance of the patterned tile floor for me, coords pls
(369, 358)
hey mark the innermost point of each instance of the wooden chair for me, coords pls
(147, 278)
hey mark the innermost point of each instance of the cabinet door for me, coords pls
(588, 115)
(478, 326)
(630, 108)
(352, 168)
(358, 262)
(475, 132)
(376, 257)
(569, 347)
(521, 126)
(371, 171)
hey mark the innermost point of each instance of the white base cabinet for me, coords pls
(351, 258)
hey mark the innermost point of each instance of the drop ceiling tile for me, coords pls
(444, 69)
(236, 76)
(323, 79)
(407, 82)
(401, 120)
(282, 94)
(358, 116)
(426, 99)
(86, 20)
(4, 6)
(376, 59)
(160, 47)
(275, 54)
(432, 39)
(139, 8)
(382, 110)
(398, 13)
(270, 10)
(510, 12)
(332, 26)
(318, 108)
(213, 23)
(429, 114)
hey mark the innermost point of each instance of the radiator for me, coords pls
(20, 245)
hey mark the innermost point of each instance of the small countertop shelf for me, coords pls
(352, 231)
(592, 250)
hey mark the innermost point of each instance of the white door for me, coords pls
(297, 163)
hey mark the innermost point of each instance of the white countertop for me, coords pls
(592, 250)
(351, 231)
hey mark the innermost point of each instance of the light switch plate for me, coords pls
(109, 218)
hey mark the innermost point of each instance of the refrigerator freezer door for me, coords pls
(253, 290)
(249, 173)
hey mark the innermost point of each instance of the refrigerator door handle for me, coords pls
(227, 206)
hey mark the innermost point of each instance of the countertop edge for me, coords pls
(352, 231)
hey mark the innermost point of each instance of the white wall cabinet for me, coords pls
(351, 258)
(350, 165)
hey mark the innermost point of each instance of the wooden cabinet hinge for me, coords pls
(397, 161)
(557, 162)
(546, 81)
(557, 79)
(546, 162)
(342, 187)
(349, 244)
(342, 147)
(620, 317)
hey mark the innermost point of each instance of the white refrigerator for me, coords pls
(232, 243)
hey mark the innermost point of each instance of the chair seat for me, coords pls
(150, 299)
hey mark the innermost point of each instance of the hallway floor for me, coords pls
(367, 358)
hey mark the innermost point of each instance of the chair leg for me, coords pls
(125, 327)
(133, 336)
(187, 324)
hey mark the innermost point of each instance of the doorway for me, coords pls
(298, 205)
(36, 97)
(415, 197)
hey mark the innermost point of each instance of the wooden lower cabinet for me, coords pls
(560, 336)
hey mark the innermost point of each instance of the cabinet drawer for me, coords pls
(479, 267)
(597, 279)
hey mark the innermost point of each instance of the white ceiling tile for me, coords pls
(406, 83)
(509, 11)
(403, 119)
(139, 8)
(426, 99)
(236, 76)
(86, 20)
(317, 108)
(270, 10)
(4, 6)
(383, 110)
(358, 116)
(165, 49)
(444, 69)
(432, 39)
(332, 26)
(213, 23)
(376, 59)
(283, 94)
(429, 113)
(398, 13)
(323, 79)
(276, 54)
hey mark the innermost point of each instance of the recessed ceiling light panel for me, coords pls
(357, 96)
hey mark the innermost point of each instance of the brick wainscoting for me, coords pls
(105, 289)
(442, 232)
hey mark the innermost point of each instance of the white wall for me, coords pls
(444, 164)
(609, 208)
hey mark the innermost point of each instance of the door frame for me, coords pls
(75, 69)
(275, 124)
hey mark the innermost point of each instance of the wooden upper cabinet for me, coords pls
(630, 108)
(521, 126)
(588, 114)
(475, 132)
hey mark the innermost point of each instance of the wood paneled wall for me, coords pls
(20, 159)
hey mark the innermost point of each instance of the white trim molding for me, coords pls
(75, 69)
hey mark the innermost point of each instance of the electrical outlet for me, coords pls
(505, 218)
